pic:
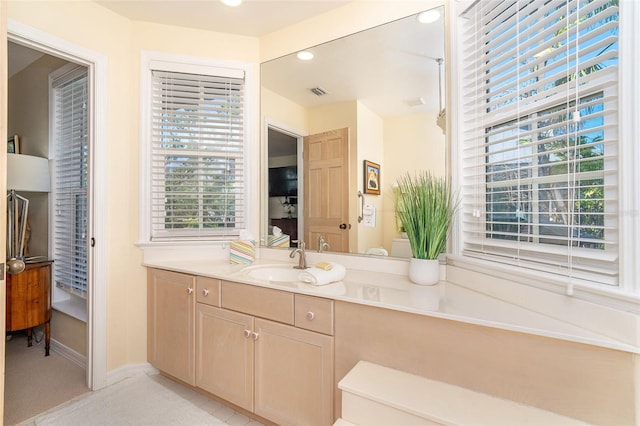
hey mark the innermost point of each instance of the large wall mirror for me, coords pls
(341, 127)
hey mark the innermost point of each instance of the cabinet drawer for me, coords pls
(208, 291)
(314, 313)
(259, 301)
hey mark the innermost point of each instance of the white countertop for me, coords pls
(393, 290)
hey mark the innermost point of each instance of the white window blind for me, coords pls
(197, 156)
(540, 136)
(71, 165)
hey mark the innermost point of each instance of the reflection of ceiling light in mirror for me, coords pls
(429, 16)
(305, 56)
(231, 2)
(415, 102)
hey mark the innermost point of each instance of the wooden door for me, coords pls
(170, 322)
(224, 354)
(293, 375)
(326, 189)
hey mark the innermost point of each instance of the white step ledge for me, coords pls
(408, 396)
(342, 422)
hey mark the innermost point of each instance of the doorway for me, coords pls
(284, 212)
(48, 104)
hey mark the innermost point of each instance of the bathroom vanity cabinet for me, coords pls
(267, 351)
(171, 319)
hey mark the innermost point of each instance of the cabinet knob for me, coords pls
(247, 333)
(189, 290)
(205, 292)
(255, 335)
(310, 315)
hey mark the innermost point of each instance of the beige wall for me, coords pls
(370, 147)
(69, 331)
(278, 108)
(28, 114)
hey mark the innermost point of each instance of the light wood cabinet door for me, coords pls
(170, 319)
(224, 354)
(293, 375)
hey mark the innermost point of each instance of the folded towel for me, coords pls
(317, 276)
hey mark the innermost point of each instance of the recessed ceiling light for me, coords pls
(232, 2)
(428, 16)
(305, 56)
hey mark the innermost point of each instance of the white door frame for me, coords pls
(96, 293)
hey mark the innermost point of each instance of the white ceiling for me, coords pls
(252, 18)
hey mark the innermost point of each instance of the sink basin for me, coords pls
(281, 273)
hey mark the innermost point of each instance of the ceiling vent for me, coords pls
(318, 91)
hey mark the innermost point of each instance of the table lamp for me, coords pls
(29, 174)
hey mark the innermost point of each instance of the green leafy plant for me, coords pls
(425, 207)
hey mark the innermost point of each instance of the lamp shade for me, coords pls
(28, 173)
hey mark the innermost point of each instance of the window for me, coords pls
(540, 136)
(71, 179)
(197, 152)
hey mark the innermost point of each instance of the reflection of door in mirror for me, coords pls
(326, 189)
(283, 184)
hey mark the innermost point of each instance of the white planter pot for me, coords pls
(424, 271)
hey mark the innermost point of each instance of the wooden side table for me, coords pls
(29, 300)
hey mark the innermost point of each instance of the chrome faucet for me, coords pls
(322, 244)
(302, 262)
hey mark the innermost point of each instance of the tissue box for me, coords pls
(281, 240)
(242, 251)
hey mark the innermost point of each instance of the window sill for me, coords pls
(611, 297)
(609, 314)
(74, 307)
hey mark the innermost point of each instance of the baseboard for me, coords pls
(68, 353)
(113, 376)
(131, 370)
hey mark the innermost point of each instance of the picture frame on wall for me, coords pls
(13, 144)
(371, 178)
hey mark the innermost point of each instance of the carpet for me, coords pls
(35, 383)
